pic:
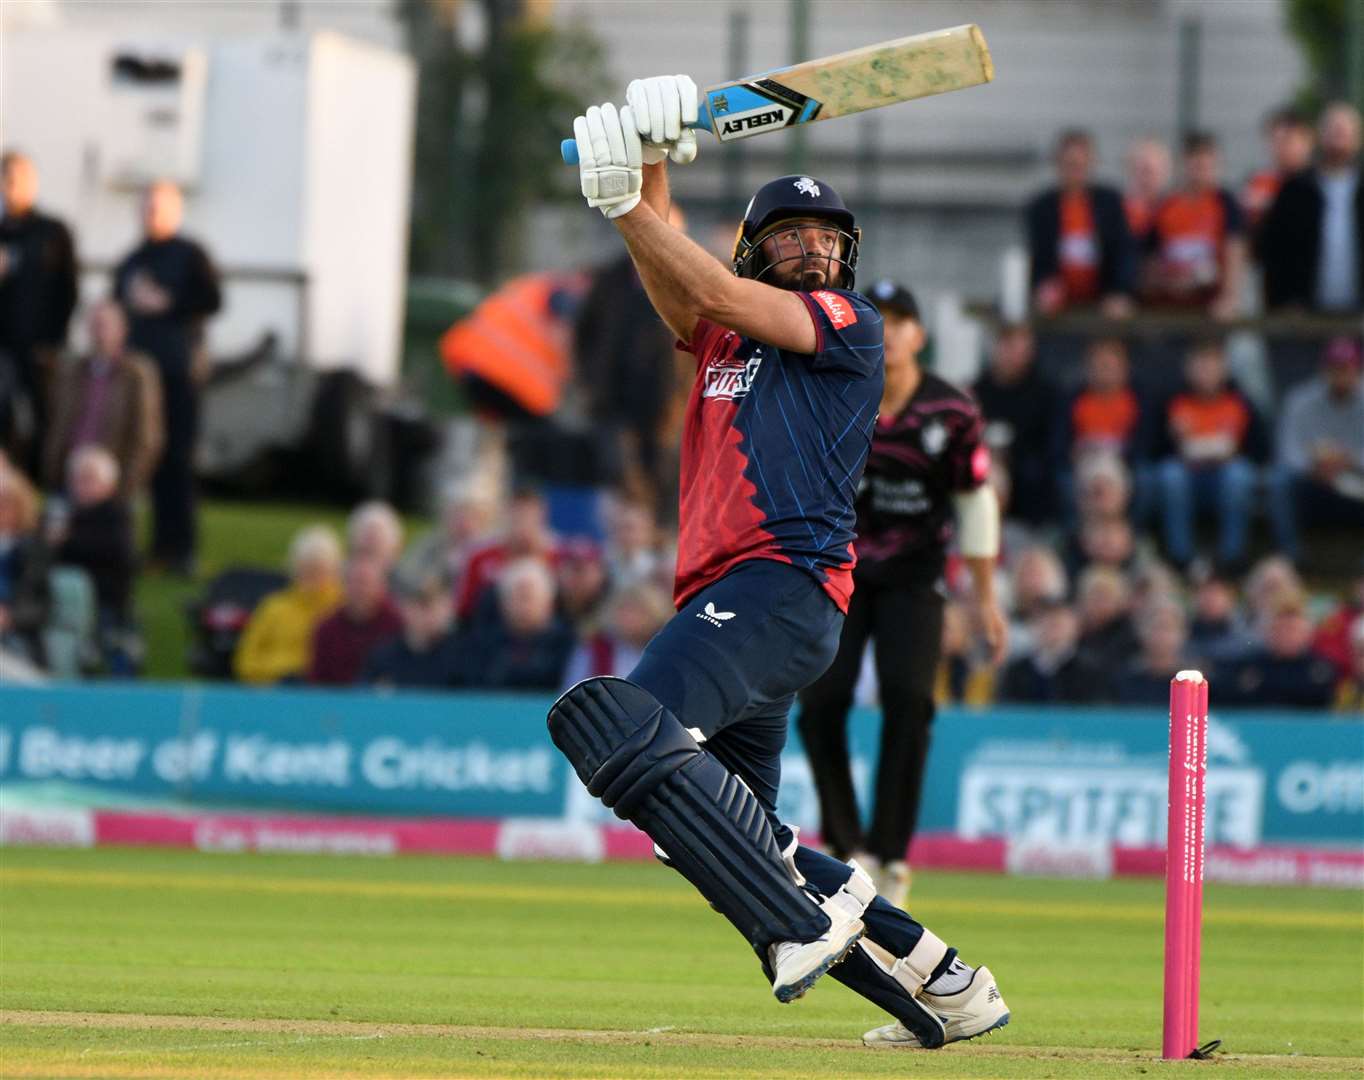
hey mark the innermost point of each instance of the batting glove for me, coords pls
(665, 110)
(609, 159)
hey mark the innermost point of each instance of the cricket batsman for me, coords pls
(789, 376)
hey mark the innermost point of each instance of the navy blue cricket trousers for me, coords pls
(728, 665)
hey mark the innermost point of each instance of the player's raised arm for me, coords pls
(684, 282)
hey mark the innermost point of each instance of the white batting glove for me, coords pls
(609, 159)
(664, 106)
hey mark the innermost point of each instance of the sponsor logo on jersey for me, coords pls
(806, 186)
(934, 438)
(729, 381)
(840, 312)
(715, 618)
(740, 125)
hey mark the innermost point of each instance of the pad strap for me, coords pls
(916, 969)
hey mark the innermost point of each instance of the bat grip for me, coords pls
(568, 148)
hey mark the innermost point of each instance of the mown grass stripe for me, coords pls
(663, 898)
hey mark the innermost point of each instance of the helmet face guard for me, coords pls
(840, 261)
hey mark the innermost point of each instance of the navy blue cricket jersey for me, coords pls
(774, 446)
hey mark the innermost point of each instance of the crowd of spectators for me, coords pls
(1139, 482)
(508, 605)
(1135, 467)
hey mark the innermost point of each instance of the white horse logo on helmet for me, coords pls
(806, 186)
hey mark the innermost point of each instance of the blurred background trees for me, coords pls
(499, 86)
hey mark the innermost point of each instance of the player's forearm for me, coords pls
(679, 275)
(656, 191)
(982, 571)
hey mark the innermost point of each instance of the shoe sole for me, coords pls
(798, 989)
(884, 1044)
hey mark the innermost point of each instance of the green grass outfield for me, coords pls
(176, 964)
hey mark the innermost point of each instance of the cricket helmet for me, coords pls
(785, 198)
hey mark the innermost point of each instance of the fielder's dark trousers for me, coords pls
(904, 623)
(174, 519)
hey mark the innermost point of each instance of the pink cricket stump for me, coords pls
(1184, 861)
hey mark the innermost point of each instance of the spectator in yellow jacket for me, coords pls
(277, 643)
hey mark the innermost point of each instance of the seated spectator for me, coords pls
(1019, 405)
(110, 398)
(276, 645)
(1350, 689)
(1082, 253)
(527, 535)
(426, 653)
(1054, 671)
(1271, 581)
(24, 590)
(1037, 579)
(583, 583)
(1103, 487)
(1107, 541)
(1103, 493)
(1217, 631)
(1318, 478)
(632, 616)
(1107, 637)
(96, 535)
(1146, 680)
(1282, 670)
(1289, 139)
(367, 616)
(1333, 636)
(632, 546)
(1196, 249)
(524, 644)
(467, 512)
(1103, 417)
(375, 529)
(1153, 583)
(1311, 242)
(1209, 446)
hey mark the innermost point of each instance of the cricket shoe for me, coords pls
(969, 1012)
(798, 964)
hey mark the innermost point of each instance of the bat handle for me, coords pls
(568, 148)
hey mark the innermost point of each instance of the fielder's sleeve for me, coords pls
(848, 329)
(968, 458)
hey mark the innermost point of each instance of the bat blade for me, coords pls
(873, 76)
(867, 78)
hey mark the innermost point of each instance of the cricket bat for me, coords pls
(906, 68)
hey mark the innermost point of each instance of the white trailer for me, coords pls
(294, 150)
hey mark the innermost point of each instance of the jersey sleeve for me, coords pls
(968, 458)
(848, 332)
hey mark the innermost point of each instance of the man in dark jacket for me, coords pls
(37, 292)
(1312, 241)
(169, 287)
(1020, 406)
(1082, 252)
